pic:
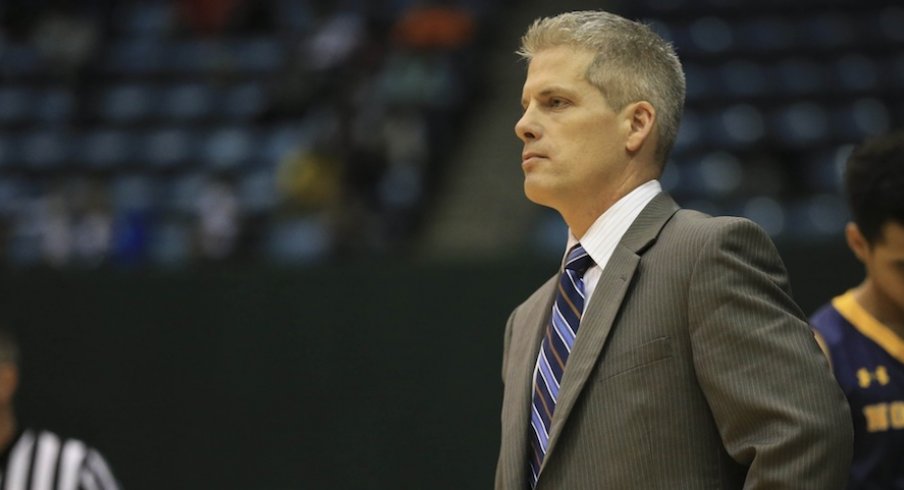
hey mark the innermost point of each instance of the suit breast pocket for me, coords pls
(636, 358)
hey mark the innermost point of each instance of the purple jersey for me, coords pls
(868, 360)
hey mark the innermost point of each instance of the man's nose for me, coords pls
(527, 129)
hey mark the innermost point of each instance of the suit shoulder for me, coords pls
(698, 229)
(705, 223)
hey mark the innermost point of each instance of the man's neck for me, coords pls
(589, 208)
(880, 307)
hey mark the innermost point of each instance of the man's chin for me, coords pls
(536, 193)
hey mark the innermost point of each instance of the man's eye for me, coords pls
(555, 102)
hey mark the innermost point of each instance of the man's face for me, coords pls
(574, 143)
(884, 261)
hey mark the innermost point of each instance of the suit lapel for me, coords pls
(525, 345)
(604, 305)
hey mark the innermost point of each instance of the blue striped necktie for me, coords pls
(554, 350)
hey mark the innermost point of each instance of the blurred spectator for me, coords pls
(377, 87)
(131, 237)
(92, 226)
(218, 220)
(335, 40)
(209, 17)
(55, 230)
(435, 25)
(67, 41)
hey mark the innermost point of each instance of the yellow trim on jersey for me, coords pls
(868, 325)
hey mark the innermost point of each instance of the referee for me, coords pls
(41, 460)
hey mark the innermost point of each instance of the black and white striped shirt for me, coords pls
(43, 461)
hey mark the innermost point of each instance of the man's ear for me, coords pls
(641, 117)
(856, 241)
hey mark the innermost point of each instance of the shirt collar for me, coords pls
(604, 234)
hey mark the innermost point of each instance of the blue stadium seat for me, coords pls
(14, 192)
(107, 148)
(228, 147)
(740, 125)
(256, 191)
(144, 19)
(711, 35)
(856, 73)
(169, 147)
(45, 148)
(179, 193)
(718, 173)
(195, 57)
(24, 248)
(277, 142)
(257, 56)
(8, 149)
(827, 31)
(860, 118)
(295, 16)
(744, 78)
(895, 65)
(300, 240)
(171, 243)
(133, 192)
(769, 33)
(16, 104)
(134, 57)
(701, 84)
(765, 174)
(767, 212)
(129, 103)
(54, 106)
(890, 23)
(20, 60)
(187, 102)
(824, 169)
(820, 216)
(690, 133)
(797, 76)
(664, 6)
(243, 101)
(800, 124)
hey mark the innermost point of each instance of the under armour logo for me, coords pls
(866, 378)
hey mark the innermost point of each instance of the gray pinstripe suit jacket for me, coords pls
(693, 369)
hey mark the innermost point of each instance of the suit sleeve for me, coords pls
(778, 409)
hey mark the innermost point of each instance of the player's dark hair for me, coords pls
(874, 184)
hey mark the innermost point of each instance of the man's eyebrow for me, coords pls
(554, 89)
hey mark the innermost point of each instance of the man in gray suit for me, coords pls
(668, 353)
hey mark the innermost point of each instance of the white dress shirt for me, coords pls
(604, 234)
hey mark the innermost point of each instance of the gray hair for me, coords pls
(631, 63)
